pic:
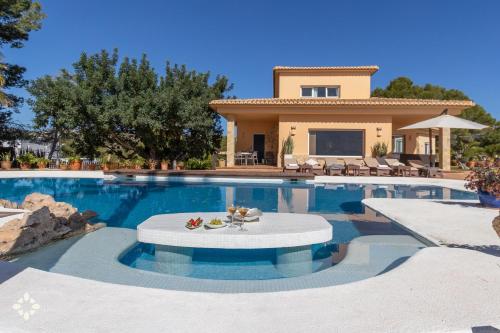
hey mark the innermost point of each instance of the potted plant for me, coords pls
(63, 165)
(287, 146)
(179, 166)
(486, 181)
(471, 163)
(164, 165)
(379, 149)
(75, 162)
(91, 166)
(42, 162)
(104, 161)
(6, 162)
(126, 164)
(152, 163)
(26, 161)
(221, 162)
(138, 162)
(104, 165)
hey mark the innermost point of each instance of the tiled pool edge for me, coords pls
(90, 259)
(54, 174)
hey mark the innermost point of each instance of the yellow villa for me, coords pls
(328, 111)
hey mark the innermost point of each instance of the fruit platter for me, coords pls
(194, 223)
(215, 224)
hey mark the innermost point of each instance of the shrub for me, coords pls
(138, 161)
(42, 161)
(74, 159)
(5, 156)
(484, 179)
(197, 164)
(28, 158)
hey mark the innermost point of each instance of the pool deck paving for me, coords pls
(438, 289)
(443, 222)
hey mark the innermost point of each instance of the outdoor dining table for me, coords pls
(246, 155)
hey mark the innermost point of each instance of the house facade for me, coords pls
(328, 111)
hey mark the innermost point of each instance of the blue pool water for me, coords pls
(126, 203)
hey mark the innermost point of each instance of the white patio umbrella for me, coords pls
(444, 121)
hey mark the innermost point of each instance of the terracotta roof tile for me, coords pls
(372, 69)
(338, 101)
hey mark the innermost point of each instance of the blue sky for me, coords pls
(455, 44)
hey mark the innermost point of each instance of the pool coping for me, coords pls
(108, 246)
(318, 180)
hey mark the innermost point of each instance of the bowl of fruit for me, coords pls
(193, 224)
(215, 224)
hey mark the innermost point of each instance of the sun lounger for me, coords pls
(399, 168)
(317, 166)
(290, 164)
(425, 170)
(357, 167)
(379, 169)
(333, 166)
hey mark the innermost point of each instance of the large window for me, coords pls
(398, 144)
(336, 142)
(320, 92)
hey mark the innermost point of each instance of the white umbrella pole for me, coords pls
(431, 163)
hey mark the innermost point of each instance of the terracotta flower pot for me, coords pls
(152, 165)
(75, 165)
(25, 166)
(105, 167)
(164, 166)
(6, 165)
(41, 165)
(471, 164)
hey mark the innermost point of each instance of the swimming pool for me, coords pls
(126, 203)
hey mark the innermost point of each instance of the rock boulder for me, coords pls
(45, 221)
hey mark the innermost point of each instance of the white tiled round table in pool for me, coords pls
(291, 234)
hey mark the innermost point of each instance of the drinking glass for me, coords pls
(243, 212)
(231, 210)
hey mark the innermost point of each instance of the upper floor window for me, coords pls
(320, 92)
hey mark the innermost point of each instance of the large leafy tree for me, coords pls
(465, 143)
(94, 121)
(17, 19)
(53, 106)
(127, 109)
